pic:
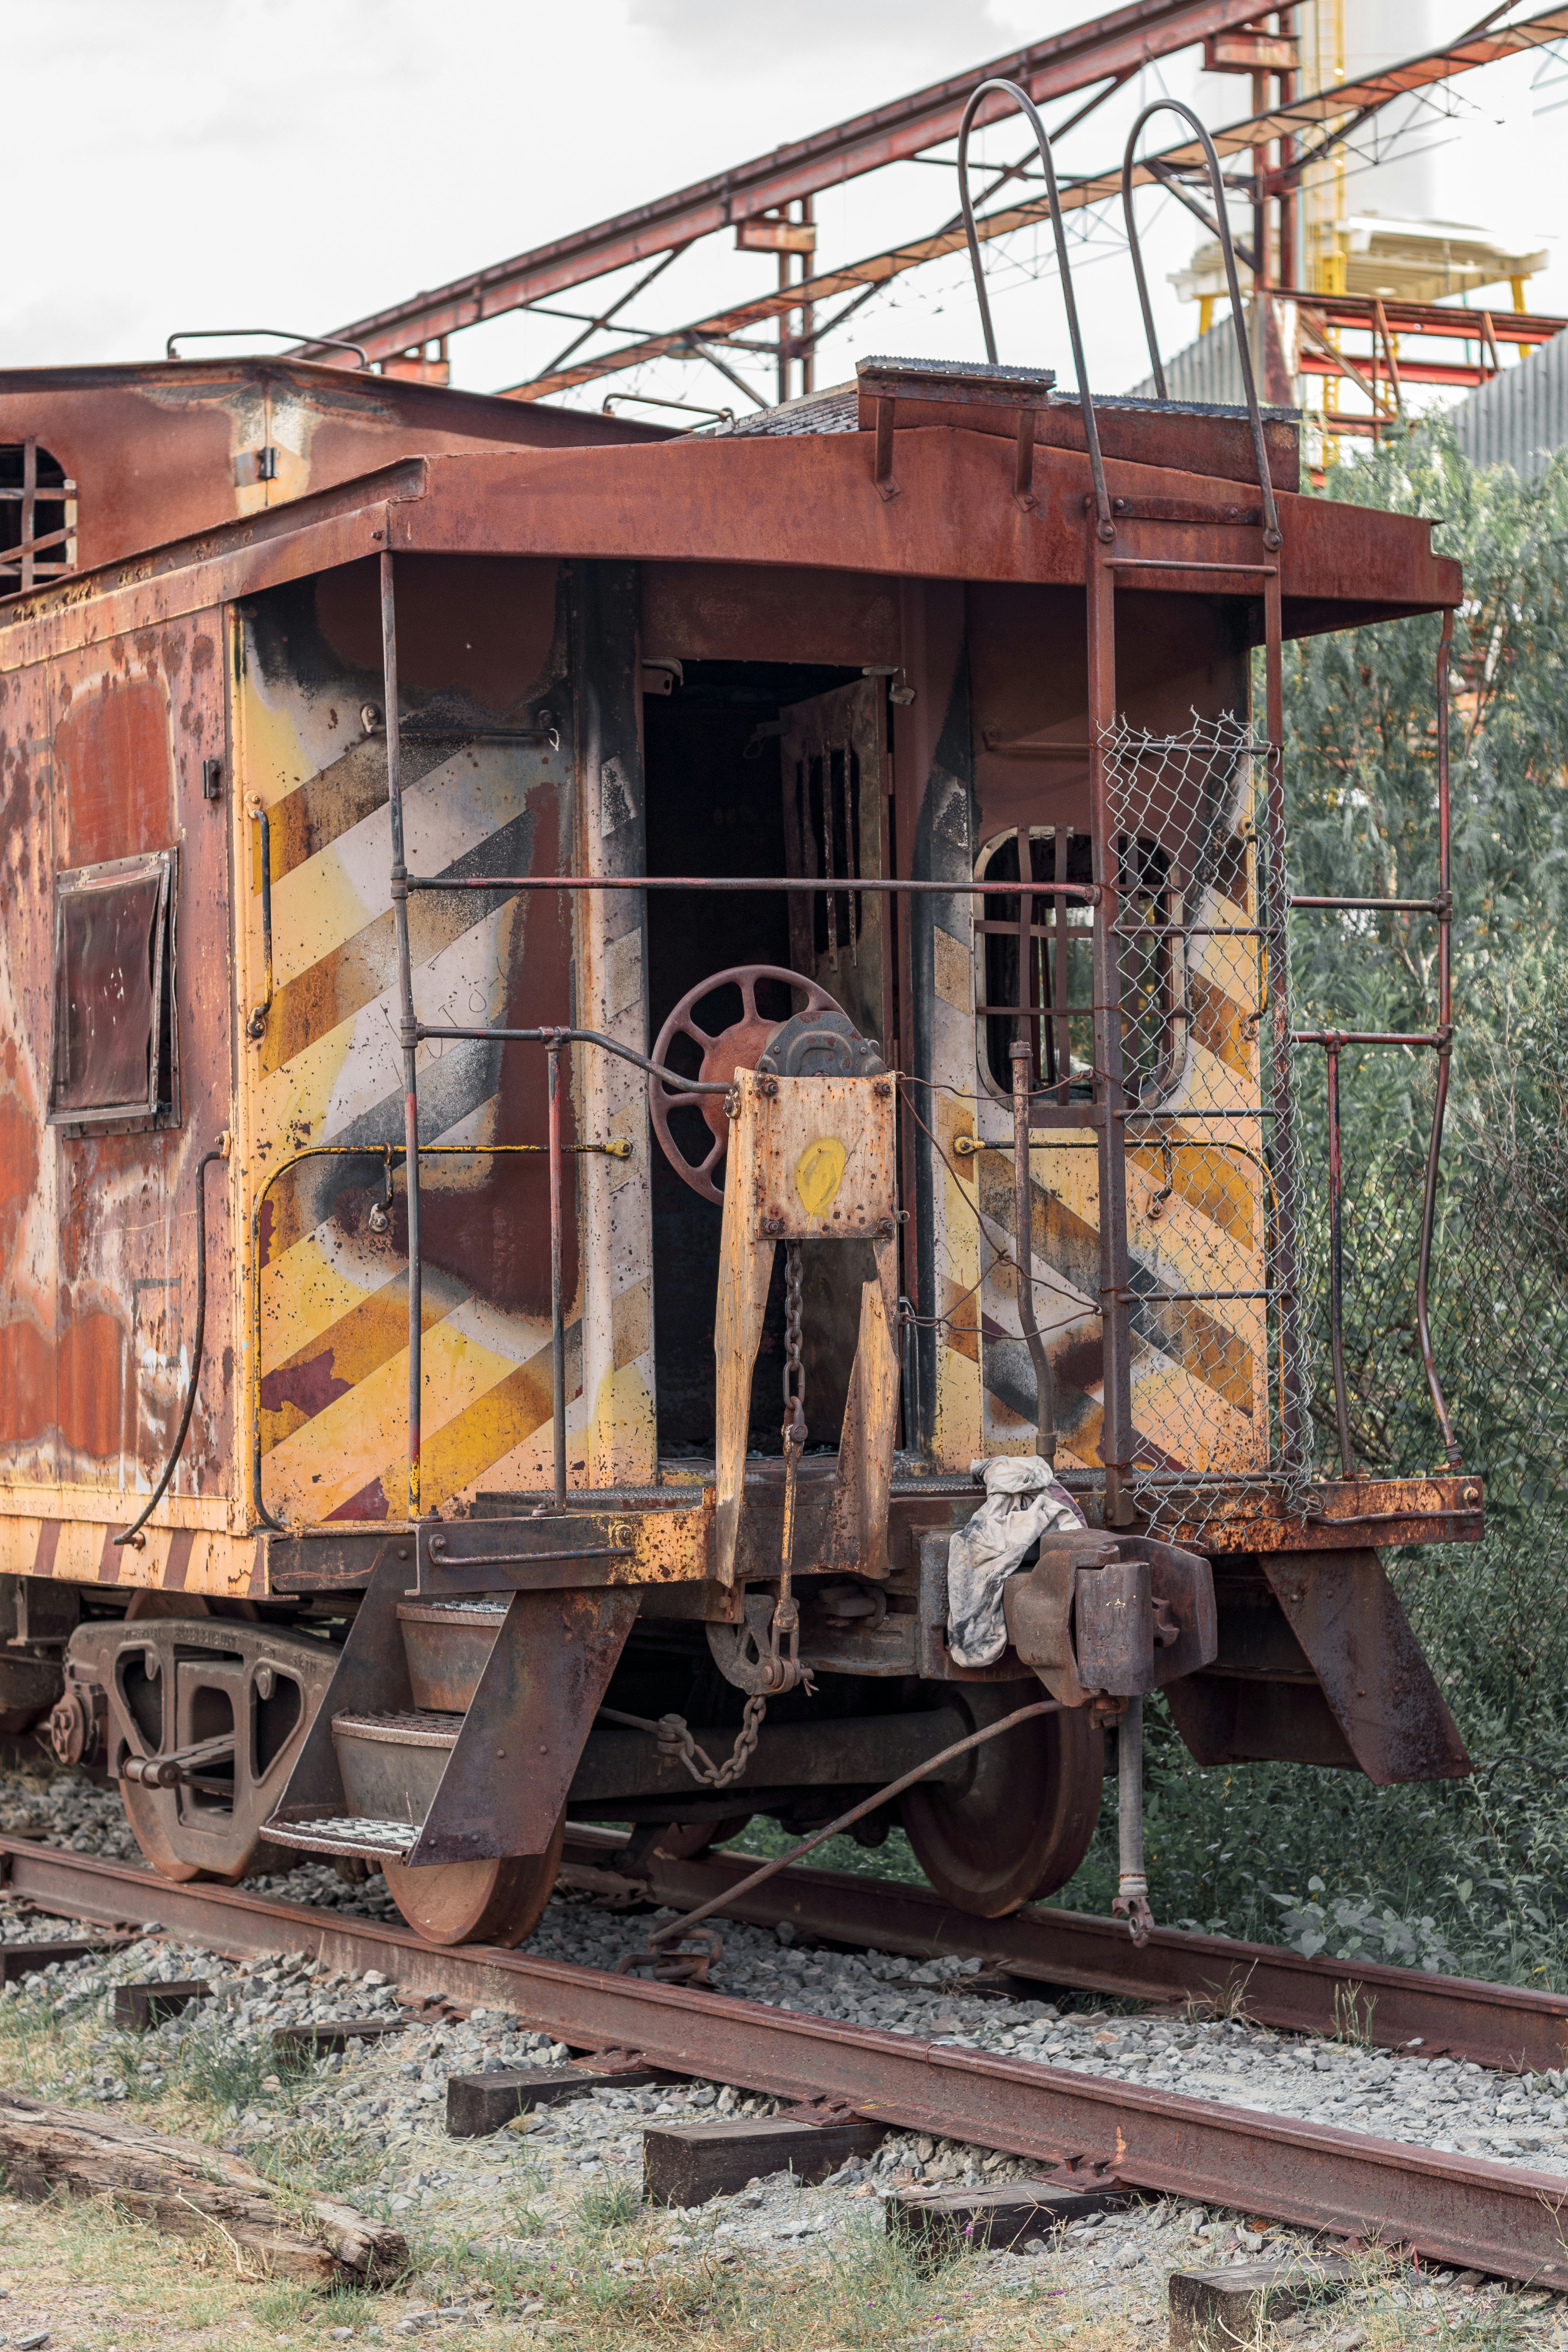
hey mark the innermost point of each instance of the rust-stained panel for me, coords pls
(102, 759)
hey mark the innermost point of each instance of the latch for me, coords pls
(255, 466)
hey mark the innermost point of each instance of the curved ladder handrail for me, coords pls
(1174, 106)
(1106, 528)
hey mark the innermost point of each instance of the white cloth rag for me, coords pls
(1023, 1500)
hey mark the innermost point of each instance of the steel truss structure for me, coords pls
(1275, 146)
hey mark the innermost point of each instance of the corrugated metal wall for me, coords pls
(1209, 369)
(1521, 418)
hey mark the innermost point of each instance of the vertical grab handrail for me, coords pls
(1272, 535)
(1444, 1049)
(408, 1025)
(1105, 529)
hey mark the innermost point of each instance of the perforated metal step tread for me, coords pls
(417, 1726)
(345, 1834)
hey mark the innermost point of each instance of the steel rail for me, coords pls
(1472, 2214)
(1505, 2027)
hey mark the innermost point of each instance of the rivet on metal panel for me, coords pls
(883, 477)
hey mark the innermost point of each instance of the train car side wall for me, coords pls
(103, 757)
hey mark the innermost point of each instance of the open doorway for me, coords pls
(720, 802)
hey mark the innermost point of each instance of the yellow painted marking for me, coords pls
(819, 1174)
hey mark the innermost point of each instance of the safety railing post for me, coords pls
(557, 1310)
(408, 1027)
(1336, 1263)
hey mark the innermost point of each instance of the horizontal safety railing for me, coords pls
(1439, 1040)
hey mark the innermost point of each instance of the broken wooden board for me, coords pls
(191, 2191)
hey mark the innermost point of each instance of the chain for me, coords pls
(677, 1742)
(795, 1369)
(784, 1673)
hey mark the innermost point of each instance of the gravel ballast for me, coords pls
(377, 2109)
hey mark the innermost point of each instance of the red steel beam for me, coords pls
(1463, 378)
(1433, 319)
(1115, 44)
(1463, 2211)
(1318, 113)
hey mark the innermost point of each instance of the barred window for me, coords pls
(38, 518)
(1035, 965)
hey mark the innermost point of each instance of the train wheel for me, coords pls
(497, 1902)
(1021, 1823)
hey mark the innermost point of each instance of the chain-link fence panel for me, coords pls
(1220, 1384)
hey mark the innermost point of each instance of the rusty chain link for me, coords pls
(678, 1742)
(784, 1672)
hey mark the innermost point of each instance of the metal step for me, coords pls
(391, 1765)
(414, 1727)
(357, 1834)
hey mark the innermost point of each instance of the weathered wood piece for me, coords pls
(480, 2104)
(330, 2033)
(138, 2007)
(685, 2164)
(1214, 2311)
(1005, 2215)
(191, 2191)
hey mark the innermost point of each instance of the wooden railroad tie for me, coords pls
(686, 2164)
(139, 2007)
(480, 2104)
(19, 1960)
(1220, 2311)
(326, 2034)
(937, 2222)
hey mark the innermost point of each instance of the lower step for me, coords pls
(392, 1765)
(353, 1833)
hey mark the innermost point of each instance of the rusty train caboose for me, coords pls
(520, 930)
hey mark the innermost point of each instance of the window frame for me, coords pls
(160, 1107)
(1047, 1026)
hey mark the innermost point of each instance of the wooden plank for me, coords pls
(318, 2041)
(1234, 2307)
(18, 1961)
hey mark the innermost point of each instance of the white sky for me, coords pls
(297, 162)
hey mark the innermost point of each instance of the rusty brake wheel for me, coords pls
(495, 1902)
(1021, 1823)
(724, 1050)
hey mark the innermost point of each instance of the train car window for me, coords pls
(1034, 965)
(37, 517)
(115, 1059)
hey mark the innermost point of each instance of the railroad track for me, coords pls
(1500, 2026)
(1498, 2218)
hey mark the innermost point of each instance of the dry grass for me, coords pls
(102, 2284)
